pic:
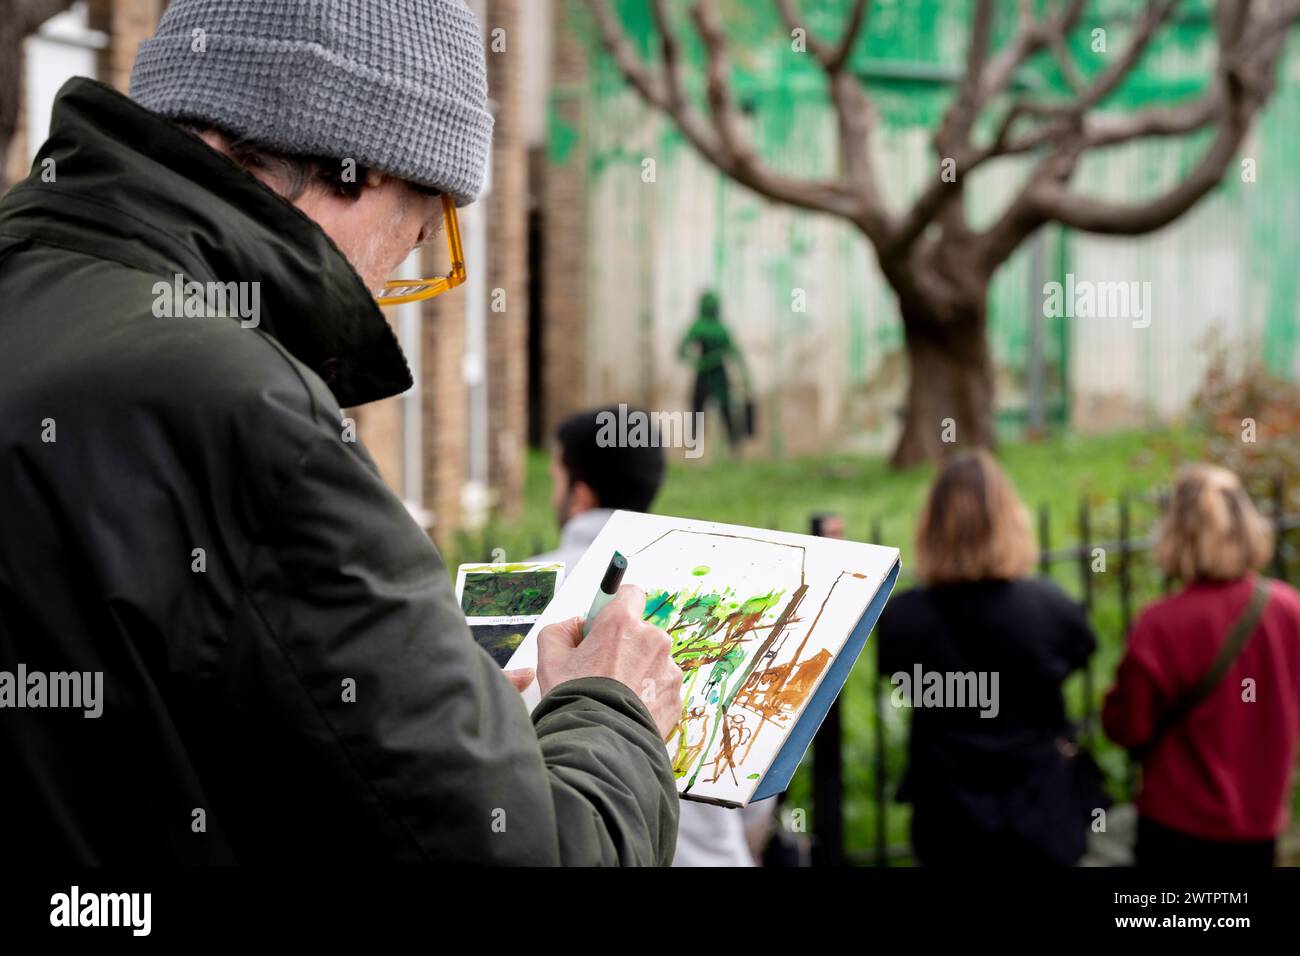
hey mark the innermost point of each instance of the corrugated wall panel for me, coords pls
(834, 374)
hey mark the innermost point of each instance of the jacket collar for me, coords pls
(133, 187)
(581, 530)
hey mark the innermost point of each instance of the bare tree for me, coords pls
(936, 263)
(17, 19)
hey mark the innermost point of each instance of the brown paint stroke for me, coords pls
(777, 691)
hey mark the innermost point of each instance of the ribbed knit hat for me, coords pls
(396, 85)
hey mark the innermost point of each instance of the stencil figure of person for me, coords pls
(708, 346)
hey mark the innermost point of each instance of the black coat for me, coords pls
(992, 783)
(201, 531)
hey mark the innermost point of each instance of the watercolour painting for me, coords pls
(506, 593)
(499, 640)
(756, 618)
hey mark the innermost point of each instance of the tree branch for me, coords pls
(721, 141)
(671, 52)
(1070, 116)
(1030, 39)
(1244, 80)
(857, 20)
(1249, 47)
(854, 114)
(832, 58)
(1130, 219)
(957, 122)
(982, 80)
(625, 58)
(1064, 62)
(1066, 129)
(1155, 121)
(1157, 12)
(717, 84)
(1252, 39)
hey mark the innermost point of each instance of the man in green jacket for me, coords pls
(222, 639)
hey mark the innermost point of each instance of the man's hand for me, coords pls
(621, 646)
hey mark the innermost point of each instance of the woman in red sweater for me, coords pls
(1216, 779)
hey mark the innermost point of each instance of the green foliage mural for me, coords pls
(1126, 97)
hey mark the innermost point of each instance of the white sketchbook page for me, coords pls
(785, 605)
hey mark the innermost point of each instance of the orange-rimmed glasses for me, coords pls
(399, 291)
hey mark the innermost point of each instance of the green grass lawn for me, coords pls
(1052, 476)
(785, 494)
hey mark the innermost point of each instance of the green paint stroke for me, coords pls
(708, 629)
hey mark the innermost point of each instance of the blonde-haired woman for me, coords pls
(1208, 693)
(991, 781)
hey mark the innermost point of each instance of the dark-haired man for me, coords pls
(590, 480)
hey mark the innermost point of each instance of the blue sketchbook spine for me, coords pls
(800, 738)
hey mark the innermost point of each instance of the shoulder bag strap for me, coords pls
(1238, 636)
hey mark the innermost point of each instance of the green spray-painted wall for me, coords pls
(833, 373)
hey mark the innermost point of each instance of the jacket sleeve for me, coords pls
(368, 658)
(899, 642)
(1078, 642)
(1132, 705)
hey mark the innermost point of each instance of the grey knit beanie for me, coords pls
(396, 85)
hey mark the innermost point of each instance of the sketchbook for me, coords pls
(766, 626)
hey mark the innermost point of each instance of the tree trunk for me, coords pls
(950, 383)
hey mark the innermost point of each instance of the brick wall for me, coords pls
(564, 322)
(444, 396)
(445, 399)
(507, 216)
(12, 93)
(127, 23)
(14, 165)
(445, 409)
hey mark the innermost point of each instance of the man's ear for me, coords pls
(583, 497)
